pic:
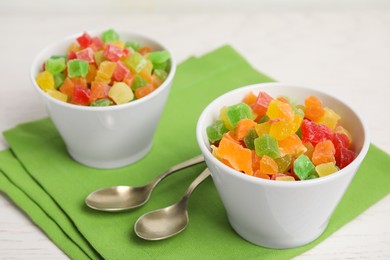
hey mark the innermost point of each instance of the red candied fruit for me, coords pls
(84, 40)
(340, 140)
(344, 156)
(81, 95)
(71, 55)
(314, 133)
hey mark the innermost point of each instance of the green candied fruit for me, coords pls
(216, 130)
(161, 74)
(299, 133)
(283, 163)
(136, 62)
(303, 167)
(99, 57)
(138, 82)
(55, 64)
(263, 119)
(298, 111)
(59, 79)
(267, 145)
(77, 68)
(161, 66)
(104, 102)
(313, 176)
(110, 36)
(249, 139)
(237, 112)
(134, 46)
(158, 57)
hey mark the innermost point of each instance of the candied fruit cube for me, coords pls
(326, 169)
(279, 109)
(267, 145)
(45, 80)
(120, 93)
(240, 158)
(314, 110)
(303, 167)
(323, 153)
(261, 104)
(216, 130)
(77, 68)
(314, 133)
(268, 165)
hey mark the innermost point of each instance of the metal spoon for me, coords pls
(167, 222)
(120, 198)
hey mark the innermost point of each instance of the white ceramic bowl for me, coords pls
(106, 137)
(278, 214)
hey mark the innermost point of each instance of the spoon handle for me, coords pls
(196, 160)
(193, 185)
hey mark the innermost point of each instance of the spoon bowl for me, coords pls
(119, 198)
(163, 223)
(167, 222)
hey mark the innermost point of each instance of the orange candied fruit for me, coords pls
(240, 158)
(143, 91)
(323, 153)
(268, 165)
(313, 110)
(243, 127)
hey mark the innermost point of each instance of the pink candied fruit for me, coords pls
(84, 40)
(113, 52)
(97, 43)
(314, 133)
(261, 104)
(86, 54)
(121, 71)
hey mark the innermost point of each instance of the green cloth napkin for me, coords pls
(41, 178)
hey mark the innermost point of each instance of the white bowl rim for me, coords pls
(136, 102)
(318, 181)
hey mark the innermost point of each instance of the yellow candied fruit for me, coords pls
(120, 93)
(329, 119)
(223, 116)
(148, 68)
(262, 128)
(284, 128)
(45, 80)
(285, 178)
(120, 44)
(325, 169)
(57, 95)
(73, 47)
(268, 165)
(280, 109)
(107, 67)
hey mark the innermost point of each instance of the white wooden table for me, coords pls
(343, 52)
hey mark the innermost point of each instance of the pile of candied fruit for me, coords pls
(103, 71)
(277, 139)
